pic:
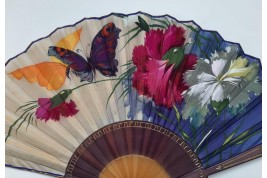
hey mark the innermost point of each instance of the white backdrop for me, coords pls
(236, 20)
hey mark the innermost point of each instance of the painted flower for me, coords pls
(160, 64)
(56, 107)
(224, 80)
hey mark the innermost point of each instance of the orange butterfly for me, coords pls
(51, 75)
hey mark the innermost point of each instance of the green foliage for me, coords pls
(175, 55)
(23, 117)
(122, 77)
(228, 139)
(60, 98)
(142, 24)
(219, 106)
(185, 136)
(131, 38)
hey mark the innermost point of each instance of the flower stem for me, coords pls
(92, 83)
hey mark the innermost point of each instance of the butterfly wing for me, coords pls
(48, 74)
(103, 48)
(51, 75)
(76, 62)
(69, 42)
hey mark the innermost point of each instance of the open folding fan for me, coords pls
(132, 96)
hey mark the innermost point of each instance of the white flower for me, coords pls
(225, 79)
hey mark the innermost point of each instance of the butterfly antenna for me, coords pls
(78, 50)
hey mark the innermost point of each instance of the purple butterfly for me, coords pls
(102, 56)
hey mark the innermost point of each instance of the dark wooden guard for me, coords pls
(251, 154)
(133, 137)
(147, 139)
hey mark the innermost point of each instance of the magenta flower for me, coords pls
(56, 107)
(160, 75)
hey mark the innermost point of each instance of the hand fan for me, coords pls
(132, 96)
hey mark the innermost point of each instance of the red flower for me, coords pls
(155, 77)
(140, 57)
(45, 112)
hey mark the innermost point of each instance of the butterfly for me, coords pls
(102, 55)
(52, 74)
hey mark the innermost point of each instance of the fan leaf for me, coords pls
(174, 56)
(142, 24)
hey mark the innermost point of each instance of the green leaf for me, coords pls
(60, 98)
(174, 55)
(215, 36)
(228, 139)
(30, 108)
(132, 38)
(122, 77)
(162, 22)
(156, 26)
(119, 15)
(23, 121)
(24, 106)
(162, 116)
(177, 113)
(203, 37)
(248, 137)
(185, 135)
(219, 106)
(168, 22)
(126, 64)
(29, 120)
(130, 31)
(241, 136)
(190, 27)
(14, 123)
(125, 92)
(142, 24)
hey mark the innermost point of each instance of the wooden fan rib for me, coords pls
(170, 163)
(116, 146)
(120, 142)
(84, 165)
(82, 173)
(174, 162)
(105, 148)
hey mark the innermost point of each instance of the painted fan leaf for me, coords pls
(51, 75)
(175, 78)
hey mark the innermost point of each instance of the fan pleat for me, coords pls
(49, 145)
(11, 160)
(19, 149)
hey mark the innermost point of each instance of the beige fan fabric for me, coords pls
(48, 145)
